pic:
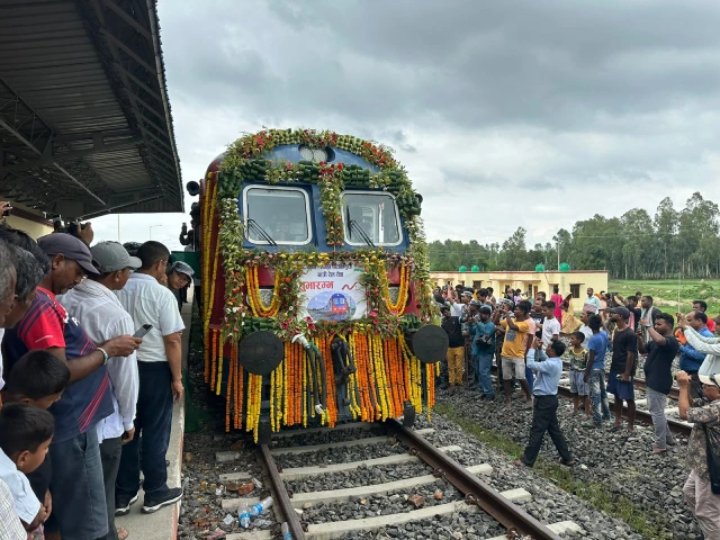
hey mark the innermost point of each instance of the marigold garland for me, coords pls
(386, 374)
(253, 294)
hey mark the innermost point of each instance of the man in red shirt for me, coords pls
(75, 479)
(701, 305)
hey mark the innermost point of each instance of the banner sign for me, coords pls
(333, 293)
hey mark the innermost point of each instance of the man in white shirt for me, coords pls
(592, 302)
(159, 365)
(99, 312)
(459, 308)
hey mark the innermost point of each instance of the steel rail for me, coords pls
(281, 498)
(639, 383)
(645, 417)
(475, 490)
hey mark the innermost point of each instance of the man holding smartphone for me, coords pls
(96, 307)
(160, 369)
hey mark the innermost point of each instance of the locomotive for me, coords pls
(315, 301)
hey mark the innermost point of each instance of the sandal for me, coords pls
(122, 533)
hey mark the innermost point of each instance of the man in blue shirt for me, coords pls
(548, 369)
(595, 370)
(690, 358)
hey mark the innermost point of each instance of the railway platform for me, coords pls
(163, 524)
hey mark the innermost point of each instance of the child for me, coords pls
(38, 379)
(25, 436)
(577, 356)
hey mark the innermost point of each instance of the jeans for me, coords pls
(545, 419)
(152, 434)
(77, 487)
(110, 452)
(656, 405)
(598, 396)
(483, 363)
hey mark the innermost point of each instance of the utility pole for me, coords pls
(557, 243)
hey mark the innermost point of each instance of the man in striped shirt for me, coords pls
(76, 481)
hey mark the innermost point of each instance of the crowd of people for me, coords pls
(90, 367)
(530, 343)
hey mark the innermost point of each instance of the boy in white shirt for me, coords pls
(25, 436)
(550, 326)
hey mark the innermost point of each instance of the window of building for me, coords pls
(370, 217)
(575, 289)
(276, 214)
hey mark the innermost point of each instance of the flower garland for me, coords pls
(387, 373)
(253, 294)
(398, 306)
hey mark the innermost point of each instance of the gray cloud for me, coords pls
(565, 102)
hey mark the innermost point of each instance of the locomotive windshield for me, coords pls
(276, 215)
(370, 218)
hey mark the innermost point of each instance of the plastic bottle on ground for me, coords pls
(244, 517)
(259, 508)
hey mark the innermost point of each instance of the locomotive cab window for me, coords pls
(276, 215)
(370, 218)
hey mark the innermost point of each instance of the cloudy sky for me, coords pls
(505, 113)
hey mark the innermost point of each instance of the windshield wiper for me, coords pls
(263, 233)
(352, 224)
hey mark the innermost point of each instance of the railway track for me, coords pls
(464, 490)
(675, 424)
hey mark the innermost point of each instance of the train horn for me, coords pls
(193, 188)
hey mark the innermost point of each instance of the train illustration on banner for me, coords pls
(315, 296)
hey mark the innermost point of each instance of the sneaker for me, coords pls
(123, 504)
(153, 503)
(567, 462)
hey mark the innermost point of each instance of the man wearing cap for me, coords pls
(96, 307)
(623, 366)
(705, 417)
(76, 478)
(179, 277)
(160, 368)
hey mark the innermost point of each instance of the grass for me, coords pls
(673, 295)
(595, 493)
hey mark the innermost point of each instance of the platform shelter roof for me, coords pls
(85, 122)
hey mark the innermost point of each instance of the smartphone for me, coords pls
(144, 329)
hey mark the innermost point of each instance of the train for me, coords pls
(315, 297)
